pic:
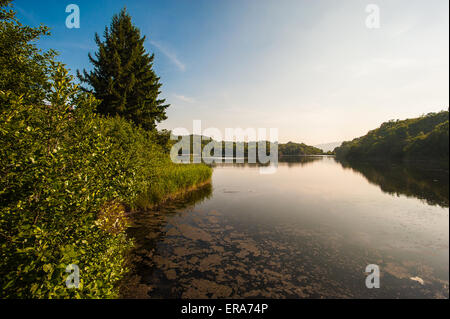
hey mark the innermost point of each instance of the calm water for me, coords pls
(307, 231)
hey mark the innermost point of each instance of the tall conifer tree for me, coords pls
(123, 77)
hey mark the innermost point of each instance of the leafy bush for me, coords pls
(67, 176)
(57, 170)
(62, 169)
(24, 68)
(155, 176)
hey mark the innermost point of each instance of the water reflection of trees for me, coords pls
(426, 181)
(300, 160)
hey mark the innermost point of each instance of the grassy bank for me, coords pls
(175, 181)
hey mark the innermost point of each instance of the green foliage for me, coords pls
(24, 68)
(434, 144)
(67, 175)
(288, 149)
(162, 138)
(425, 137)
(61, 166)
(298, 149)
(155, 176)
(123, 78)
(174, 179)
(56, 173)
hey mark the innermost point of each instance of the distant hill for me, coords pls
(328, 147)
(288, 149)
(291, 148)
(425, 137)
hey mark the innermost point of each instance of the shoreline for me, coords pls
(173, 196)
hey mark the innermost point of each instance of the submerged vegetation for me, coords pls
(425, 137)
(68, 175)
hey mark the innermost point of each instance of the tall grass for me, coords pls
(173, 180)
(156, 177)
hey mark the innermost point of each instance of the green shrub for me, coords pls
(155, 176)
(61, 168)
(56, 172)
(67, 176)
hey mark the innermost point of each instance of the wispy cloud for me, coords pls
(28, 15)
(184, 98)
(171, 55)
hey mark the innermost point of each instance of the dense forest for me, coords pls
(291, 148)
(425, 137)
(197, 144)
(75, 161)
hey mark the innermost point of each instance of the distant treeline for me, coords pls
(291, 148)
(198, 143)
(425, 137)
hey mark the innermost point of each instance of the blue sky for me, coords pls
(312, 69)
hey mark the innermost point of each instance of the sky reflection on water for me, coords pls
(307, 231)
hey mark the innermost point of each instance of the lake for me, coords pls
(307, 231)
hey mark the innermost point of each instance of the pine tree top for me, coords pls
(123, 77)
